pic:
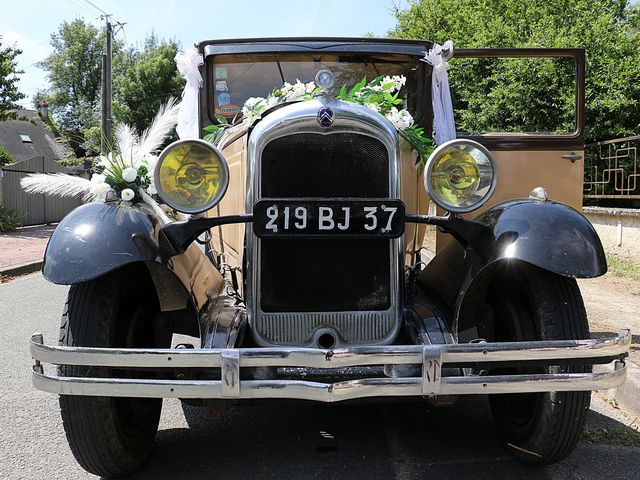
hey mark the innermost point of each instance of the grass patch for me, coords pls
(619, 436)
(621, 267)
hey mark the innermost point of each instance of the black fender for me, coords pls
(98, 238)
(547, 234)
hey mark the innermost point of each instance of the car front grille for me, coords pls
(304, 284)
(325, 166)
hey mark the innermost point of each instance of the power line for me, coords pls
(326, 17)
(83, 7)
(322, 7)
(96, 7)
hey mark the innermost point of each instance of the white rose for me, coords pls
(252, 102)
(401, 119)
(398, 82)
(98, 178)
(127, 195)
(406, 120)
(272, 102)
(297, 90)
(100, 188)
(253, 107)
(129, 174)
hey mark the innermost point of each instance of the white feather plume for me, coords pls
(127, 143)
(57, 184)
(153, 137)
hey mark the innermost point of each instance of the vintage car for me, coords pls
(301, 266)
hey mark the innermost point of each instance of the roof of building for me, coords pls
(29, 137)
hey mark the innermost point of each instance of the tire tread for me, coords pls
(87, 421)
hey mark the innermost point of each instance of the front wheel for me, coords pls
(533, 304)
(110, 436)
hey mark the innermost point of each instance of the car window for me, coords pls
(235, 78)
(497, 95)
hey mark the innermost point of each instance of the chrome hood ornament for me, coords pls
(325, 79)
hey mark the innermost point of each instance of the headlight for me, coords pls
(191, 176)
(460, 175)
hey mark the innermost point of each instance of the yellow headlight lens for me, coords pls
(460, 175)
(191, 176)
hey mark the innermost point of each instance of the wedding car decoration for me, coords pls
(125, 173)
(380, 95)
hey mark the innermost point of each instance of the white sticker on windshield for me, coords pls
(221, 72)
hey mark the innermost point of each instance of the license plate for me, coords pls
(329, 218)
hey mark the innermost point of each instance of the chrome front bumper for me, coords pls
(430, 357)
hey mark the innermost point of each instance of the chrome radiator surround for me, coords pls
(232, 361)
(351, 328)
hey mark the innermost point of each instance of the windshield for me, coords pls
(235, 78)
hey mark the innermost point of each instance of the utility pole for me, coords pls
(107, 121)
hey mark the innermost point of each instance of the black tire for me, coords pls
(110, 436)
(533, 304)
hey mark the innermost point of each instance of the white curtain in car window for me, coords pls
(188, 62)
(444, 127)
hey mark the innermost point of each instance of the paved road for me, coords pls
(284, 441)
(25, 245)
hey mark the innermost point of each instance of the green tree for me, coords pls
(5, 157)
(74, 71)
(9, 94)
(522, 95)
(149, 77)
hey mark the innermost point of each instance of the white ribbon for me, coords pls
(444, 127)
(188, 62)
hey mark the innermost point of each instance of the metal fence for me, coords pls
(35, 209)
(611, 169)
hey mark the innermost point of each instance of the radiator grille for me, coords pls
(354, 327)
(308, 283)
(324, 275)
(325, 166)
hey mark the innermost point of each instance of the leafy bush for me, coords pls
(73, 161)
(9, 219)
(530, 96)
(5, 157)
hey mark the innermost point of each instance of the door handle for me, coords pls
(573, 156)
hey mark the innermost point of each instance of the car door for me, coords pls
(536, 133)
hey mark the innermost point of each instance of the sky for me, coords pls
(30, 23)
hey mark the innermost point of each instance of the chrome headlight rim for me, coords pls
(436, 155)
(225, 176)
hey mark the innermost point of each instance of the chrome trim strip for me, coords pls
(327, 392)
(301, 118)
(318, 358)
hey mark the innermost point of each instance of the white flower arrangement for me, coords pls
(127, 170)
(379, 95)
